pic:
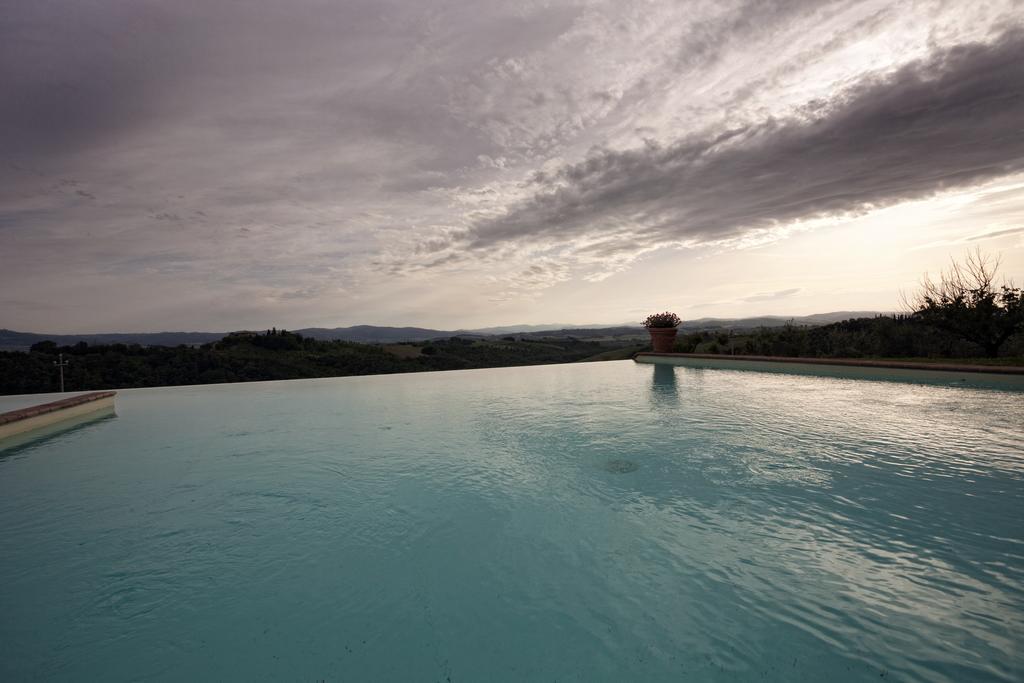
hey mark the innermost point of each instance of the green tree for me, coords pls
(967, 302)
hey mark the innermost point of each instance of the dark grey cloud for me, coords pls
(74, 77)
(200, 153)
(83, 76)
(952, 120)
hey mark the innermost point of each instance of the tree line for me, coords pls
(271, 355)
(962, 314)
(897, 336)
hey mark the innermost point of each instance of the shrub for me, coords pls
(662, 320)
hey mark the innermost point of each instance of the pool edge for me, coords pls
(1003, 376)
(17, 422)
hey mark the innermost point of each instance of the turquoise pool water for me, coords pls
(599, 522)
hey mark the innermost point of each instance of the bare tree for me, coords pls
(967, 302)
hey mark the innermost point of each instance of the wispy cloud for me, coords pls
(952, 120)
(976, 237)
(310, 162)
(995, 233)
(771, 296)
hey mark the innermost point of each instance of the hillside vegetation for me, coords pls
(900, 336)
(962, 315)
(276, 354)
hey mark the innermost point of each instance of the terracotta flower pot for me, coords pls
(663, 339)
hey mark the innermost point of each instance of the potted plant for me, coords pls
(662, 327)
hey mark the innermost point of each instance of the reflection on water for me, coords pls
(619, 466)
(13, 445)
(588, 522)
(664, 389)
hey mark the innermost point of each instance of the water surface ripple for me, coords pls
(606, 522)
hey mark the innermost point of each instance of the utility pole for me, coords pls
(61, 365)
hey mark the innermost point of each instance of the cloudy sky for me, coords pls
(219, 164)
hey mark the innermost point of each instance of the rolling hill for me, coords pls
(12, 340)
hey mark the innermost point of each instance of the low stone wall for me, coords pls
(47, 414)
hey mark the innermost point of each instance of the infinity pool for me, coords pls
(598, 522)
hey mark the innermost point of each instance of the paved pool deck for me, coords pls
(851, 362)
(991, 376)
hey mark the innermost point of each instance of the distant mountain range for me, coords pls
(11, 340)
(776, 320)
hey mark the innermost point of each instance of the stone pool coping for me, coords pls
(847, 362)
(46, 414)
